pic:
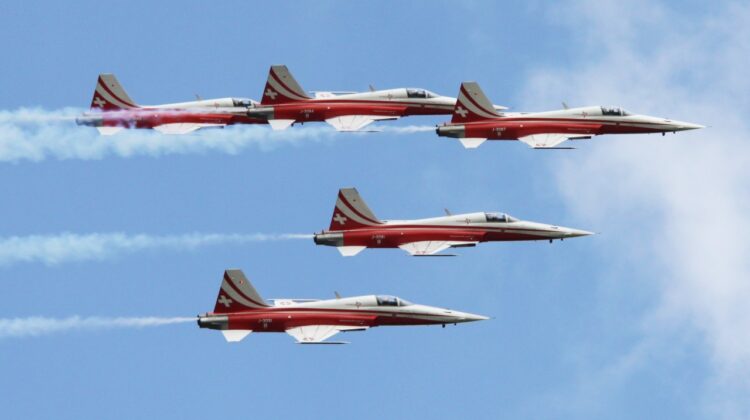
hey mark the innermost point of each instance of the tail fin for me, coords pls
(282, 88)
(237, 294)
(351, 211)
(472, 104)
(109, 95)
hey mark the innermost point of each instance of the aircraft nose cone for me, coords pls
(689, 126)
(574, 233)
(684, 126)
(467, 317)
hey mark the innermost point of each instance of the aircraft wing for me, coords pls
(184, 128)
(424, 248)
(317, 334)
(549, 140)
(355, 122)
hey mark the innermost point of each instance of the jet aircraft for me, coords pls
(354, 227)
(476, 120)
(240, 310)
(284, 103)
(112, 110)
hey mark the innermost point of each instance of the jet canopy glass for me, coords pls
(500, 218)
(420, 93)
(613, 111)
(242, 102)
(385, 300)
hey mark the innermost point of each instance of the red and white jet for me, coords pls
(476, 120)
(354, 227)
(240, 310)
(284, 103)
(112, 110)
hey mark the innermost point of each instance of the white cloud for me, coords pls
(56, 249)
(36, 326)
(675, 206)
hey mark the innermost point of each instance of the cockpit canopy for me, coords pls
(386, 300)
(420, 93)
(613, 111)
(242, 102)
(500, 218)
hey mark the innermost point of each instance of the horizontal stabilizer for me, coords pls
(278, 125)
(471, 142)
(350, 251)
(234, 336)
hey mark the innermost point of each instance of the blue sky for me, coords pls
(620, 325)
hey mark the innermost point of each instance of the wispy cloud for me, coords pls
(678, 205)
(35, 134)
(67, 247)
(37, 326)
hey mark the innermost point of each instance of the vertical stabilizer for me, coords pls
(109, 95)
(281, 87)
(351, 211)
(472, 105)
(237, 294)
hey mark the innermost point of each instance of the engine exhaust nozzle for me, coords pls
(213, 322)
(329, 238)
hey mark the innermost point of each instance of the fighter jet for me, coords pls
(240, 310)
(284, 103)
(354, 227)
(112, 110)
(476, 120)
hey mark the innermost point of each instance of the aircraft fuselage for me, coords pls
(470, 228)
(352, 312)
(147, 118)
(583, 122)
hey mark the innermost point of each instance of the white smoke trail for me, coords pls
(66, 247)
(36, 326)
(407, 129)
(25, 116)
(36, 134)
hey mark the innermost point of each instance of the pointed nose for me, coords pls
(574, 233)
(684, 126)
(467, 317)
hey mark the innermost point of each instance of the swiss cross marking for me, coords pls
(461, 111)
(341, 219)
(99, 102)
(271, 94)
(225, 301)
